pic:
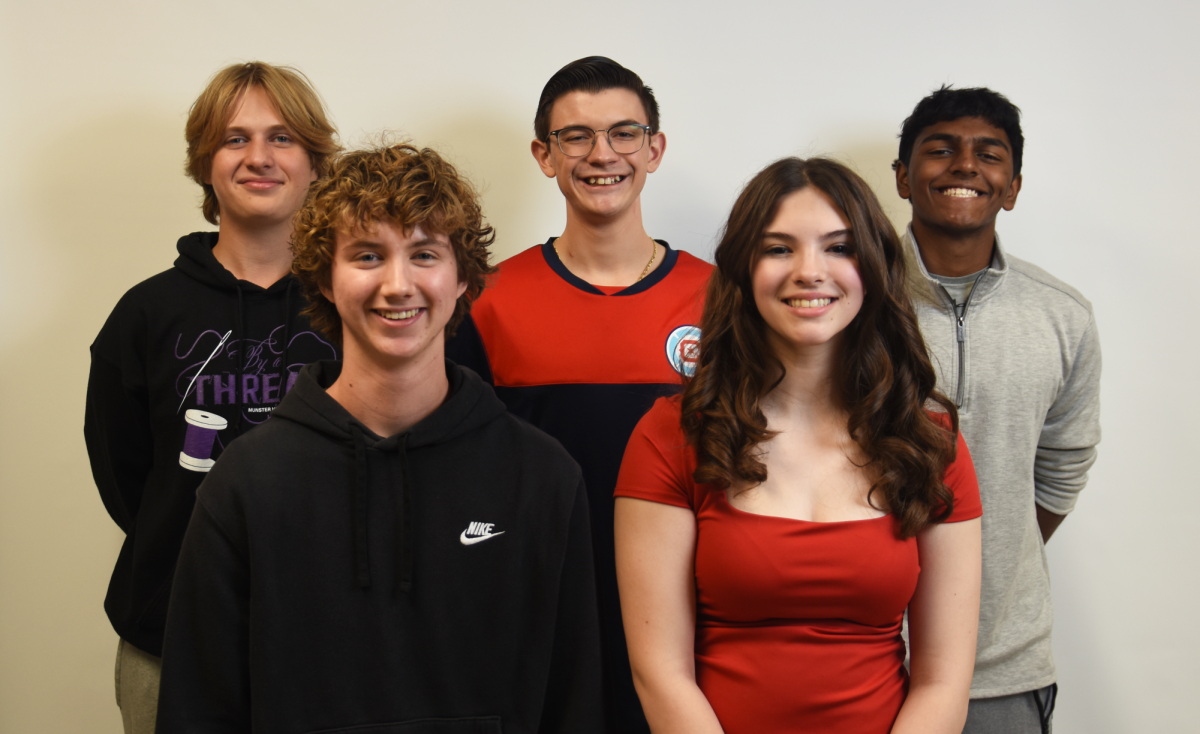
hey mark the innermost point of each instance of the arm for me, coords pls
(655, 548)
(1067, 444)
(573, 702)
(943, 619)
(206, 649)
(120, 445)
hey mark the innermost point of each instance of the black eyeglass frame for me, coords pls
(596, 135)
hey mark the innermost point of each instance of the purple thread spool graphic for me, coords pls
(198, 443)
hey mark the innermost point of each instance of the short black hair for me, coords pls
(593, 75)
(948, 103)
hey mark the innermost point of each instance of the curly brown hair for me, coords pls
(298, 104)
(401, 185)
(885, 380)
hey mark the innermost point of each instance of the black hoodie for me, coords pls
(163, 333)
(439, 580)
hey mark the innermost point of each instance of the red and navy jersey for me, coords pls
(585, 366)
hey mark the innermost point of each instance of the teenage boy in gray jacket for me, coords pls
(1017, 350)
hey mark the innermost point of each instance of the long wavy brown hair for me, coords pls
(884, 380)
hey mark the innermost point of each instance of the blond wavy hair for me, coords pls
(400, 185)
(294, 98)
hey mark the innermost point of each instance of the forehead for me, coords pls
(967, 128)
(597, 110)
(387, 234)
(807, 213)
(254, 107)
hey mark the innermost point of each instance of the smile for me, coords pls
(399, 315)
(958, 192)
(806, 303)
(604, 180)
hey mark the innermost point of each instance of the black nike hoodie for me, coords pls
(439, 580)
(193, 340)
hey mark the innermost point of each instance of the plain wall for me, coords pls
(93, 98)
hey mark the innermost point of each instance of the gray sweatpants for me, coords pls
(1021, 713)
(137, 674)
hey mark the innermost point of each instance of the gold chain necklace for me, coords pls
(645, 271)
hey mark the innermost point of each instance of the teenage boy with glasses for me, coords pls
(581, 334)
(1018, 351)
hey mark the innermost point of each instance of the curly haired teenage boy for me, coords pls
(393, 551)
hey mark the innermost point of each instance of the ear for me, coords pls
(327, 291)
(541, 154)
(1010, 196)
(462, 288)
(902, 180)
(658, 146)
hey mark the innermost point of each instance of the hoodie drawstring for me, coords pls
(241, 342)
(285, 373)
(360, 493)
(405, 520)
(358, 497)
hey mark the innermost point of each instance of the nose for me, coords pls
(808, 267)
(259, 154)
(602, 151)
(397, 282)
(964, 161)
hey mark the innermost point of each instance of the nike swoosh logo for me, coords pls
(478, 539)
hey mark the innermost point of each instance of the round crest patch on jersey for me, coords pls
(683, 349)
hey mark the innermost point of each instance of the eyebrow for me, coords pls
(827, 236)
(370, 243)
(272, 129)
(983, 140)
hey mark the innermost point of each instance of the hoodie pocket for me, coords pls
(466, 725)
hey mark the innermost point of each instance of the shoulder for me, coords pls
(532, 442)
(1026, 275)
(141, 305)
(530, 263)
(691, 266)
(659, 464)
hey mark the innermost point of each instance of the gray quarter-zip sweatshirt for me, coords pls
(1023, 365)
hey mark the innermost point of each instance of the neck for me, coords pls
(610, 252)
(952, 253)
(259, 255)
(806, 393)
(390, 400)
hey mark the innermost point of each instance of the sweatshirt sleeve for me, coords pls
(206, 649)
(120, 444)
(574, 699)
(1067, 445)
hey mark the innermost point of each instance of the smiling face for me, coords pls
(603, 184)
(959, 177)
(260, 174)
(394, 291)
(806, 282)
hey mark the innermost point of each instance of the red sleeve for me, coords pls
(658, 463)
(960, 478)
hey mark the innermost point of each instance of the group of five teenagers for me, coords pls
(581, 334)
(196, 356)
(327, 574)
(1019, 353)
(393, 551)
(775, 521)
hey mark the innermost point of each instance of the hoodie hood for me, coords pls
(197, 261)
(469, 404)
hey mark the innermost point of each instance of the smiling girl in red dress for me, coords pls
(774, 522)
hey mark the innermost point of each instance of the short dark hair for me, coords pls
(593, 75)
(400, 185)
(949, 103)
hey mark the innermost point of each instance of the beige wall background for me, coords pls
(93, 97)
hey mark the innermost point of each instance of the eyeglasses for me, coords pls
(576, 142)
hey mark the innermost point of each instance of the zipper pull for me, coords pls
(962, 331)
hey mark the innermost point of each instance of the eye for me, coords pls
(367, 257)
(776, 249)
(236, 140)
(841, 248)
(575, 135)
(281, 138)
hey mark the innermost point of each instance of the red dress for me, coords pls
(797, 622)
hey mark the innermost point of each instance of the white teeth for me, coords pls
(604, 180)
(960, 193)
(805, 303)
(399, 315)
